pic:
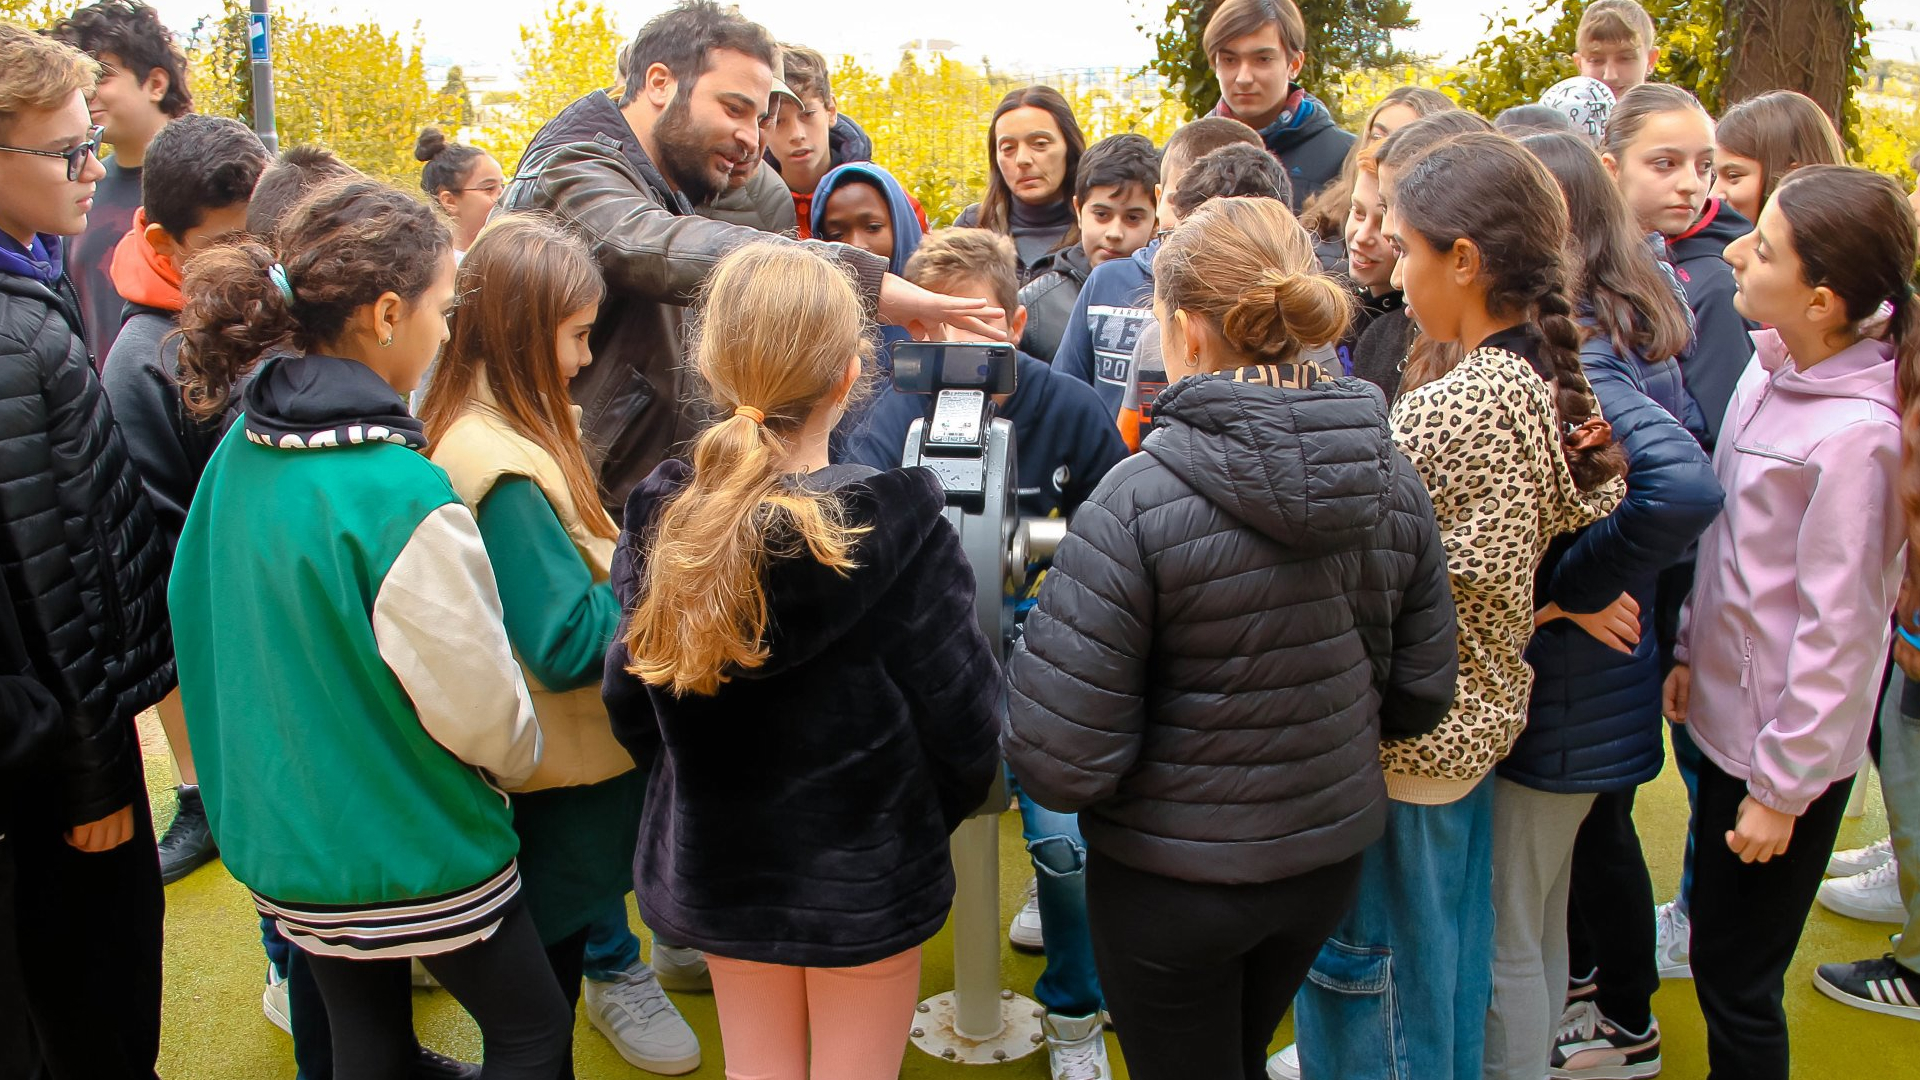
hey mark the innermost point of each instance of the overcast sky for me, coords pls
(1014, 33)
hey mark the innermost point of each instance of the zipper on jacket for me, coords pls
(1746, 661)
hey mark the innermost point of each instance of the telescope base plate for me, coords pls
(1020, 1035)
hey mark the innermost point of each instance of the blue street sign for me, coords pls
(258, 39)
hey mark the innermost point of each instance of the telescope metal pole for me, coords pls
(260, 62)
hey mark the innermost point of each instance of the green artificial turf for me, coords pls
(214, 1029)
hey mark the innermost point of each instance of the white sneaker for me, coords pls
(273, 1001)
(1025, 929)
(637, 1018)
(1873, 896)
(1075, 1048)
(1861, 859)
(681, 970)
(1285, 1065)
(1672, 941)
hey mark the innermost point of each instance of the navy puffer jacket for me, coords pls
(1593, 723)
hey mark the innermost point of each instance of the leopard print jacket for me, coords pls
(1484, 439)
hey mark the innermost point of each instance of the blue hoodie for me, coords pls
(1115, 304)
(41, 262)
(906, 224)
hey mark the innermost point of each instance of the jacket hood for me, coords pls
(847, 142)
(1864, 370)
(1302, 119)
(140, 275)
(1719, 225)
(303, 401)
(596, 119)
(906, 224)
(810, 607)
(42, 261)
(1312, 469)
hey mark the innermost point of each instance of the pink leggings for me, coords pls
(854, 1020)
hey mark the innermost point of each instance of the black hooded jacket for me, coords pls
(801, 814)
(1237, 617)
(85, 566)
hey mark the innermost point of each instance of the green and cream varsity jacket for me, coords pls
(351, 696)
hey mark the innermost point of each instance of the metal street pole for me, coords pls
(260, 60)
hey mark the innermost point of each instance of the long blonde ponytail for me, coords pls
(777, 328)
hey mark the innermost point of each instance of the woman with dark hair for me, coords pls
(465, 181)
(1035, 144)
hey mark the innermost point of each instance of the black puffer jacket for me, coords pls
(801, 815)
(84, 563)
(1237, 617)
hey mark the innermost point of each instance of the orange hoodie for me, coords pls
(140, 275)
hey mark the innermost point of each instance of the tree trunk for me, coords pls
(1802, 45)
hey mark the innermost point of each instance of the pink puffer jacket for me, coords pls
(1791, 613)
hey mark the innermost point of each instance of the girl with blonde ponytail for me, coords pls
(1236, 618)
(800, 670)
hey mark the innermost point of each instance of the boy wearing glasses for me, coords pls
(85, 573)
(142, 85)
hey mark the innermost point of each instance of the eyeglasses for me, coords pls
(491, 188)
(76, 157)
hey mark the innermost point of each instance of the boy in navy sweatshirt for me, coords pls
(1064, 440)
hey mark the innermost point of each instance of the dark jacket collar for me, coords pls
(309, 401)
(42, 261)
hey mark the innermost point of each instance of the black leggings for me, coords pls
(1747, 919)
(1198, 976)
(568, 958)
(504, 982)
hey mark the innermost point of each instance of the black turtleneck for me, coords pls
(1037, 230)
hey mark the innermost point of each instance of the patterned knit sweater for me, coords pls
(1485, 439)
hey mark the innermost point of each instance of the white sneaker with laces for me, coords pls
(642, 1024)
(273, 1001)
(1672, 941)
(1873, 896)
(1861, 859)
(1024, 931)
(1076, 1049)
(1285, 1065)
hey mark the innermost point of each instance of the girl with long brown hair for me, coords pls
(1034, 145)
(801, 673)
(499, 421)
(1514, 451)
(1325, 214)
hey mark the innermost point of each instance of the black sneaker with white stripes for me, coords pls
(1881, 986)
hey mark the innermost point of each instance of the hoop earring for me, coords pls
(387, 342)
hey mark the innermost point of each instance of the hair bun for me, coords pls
(1281, 313)
(430, 145)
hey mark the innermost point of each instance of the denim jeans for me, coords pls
(1686, 758)
(1401, 989)
(1069, 986)
(1900, 788)
(611, 945)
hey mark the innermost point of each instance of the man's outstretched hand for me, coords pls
(902, 303)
